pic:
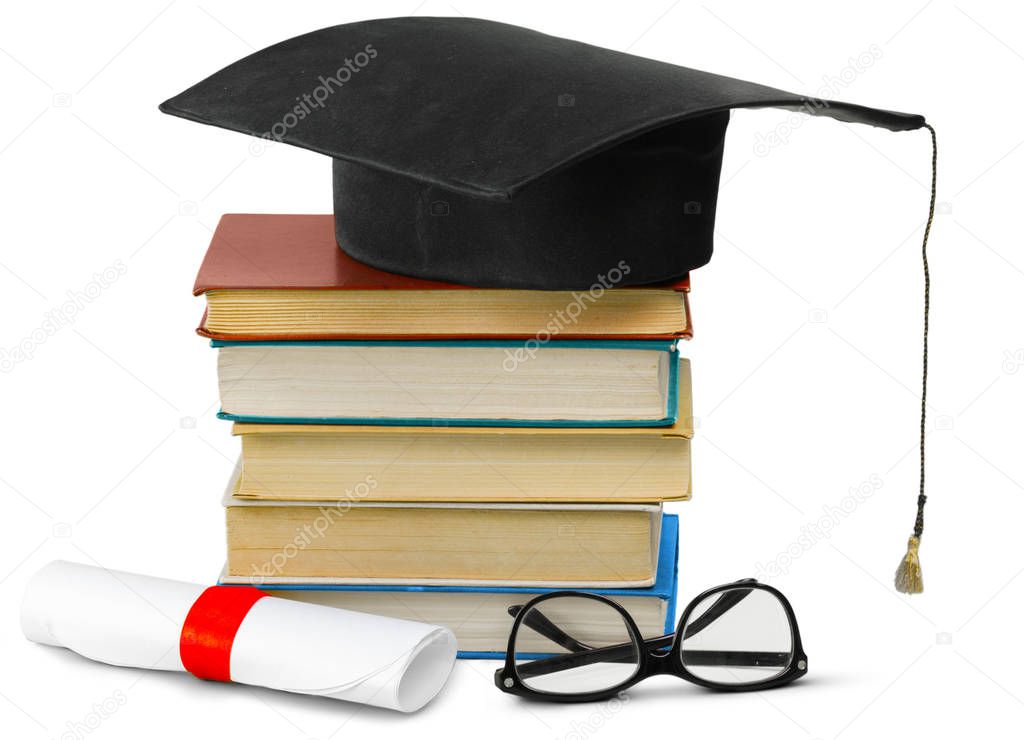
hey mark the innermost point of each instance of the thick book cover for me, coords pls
(669, 418)
(665, 586)
(288, 253)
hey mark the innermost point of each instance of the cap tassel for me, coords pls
(908, 575)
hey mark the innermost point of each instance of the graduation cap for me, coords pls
(486, 154)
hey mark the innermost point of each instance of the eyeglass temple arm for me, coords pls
(543, 626)
(722, 604)
(622, 653)
(626, 653)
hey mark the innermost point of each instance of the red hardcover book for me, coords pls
(282, 276)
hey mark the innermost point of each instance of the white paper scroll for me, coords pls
(128, 619)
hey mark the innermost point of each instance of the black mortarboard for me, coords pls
(487, 154)
(482, 153)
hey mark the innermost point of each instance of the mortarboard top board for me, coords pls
(482, 153)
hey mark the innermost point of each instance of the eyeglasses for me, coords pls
(573, 646)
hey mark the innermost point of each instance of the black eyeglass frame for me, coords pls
(653, 660)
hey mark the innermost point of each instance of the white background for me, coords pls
(806, 358)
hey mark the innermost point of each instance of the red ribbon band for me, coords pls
(210, 628)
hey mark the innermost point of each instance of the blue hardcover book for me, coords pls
(554, 383)
(479, 616)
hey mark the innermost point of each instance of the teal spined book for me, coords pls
(479, 616)
(558, 383)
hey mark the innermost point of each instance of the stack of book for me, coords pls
(441, 452)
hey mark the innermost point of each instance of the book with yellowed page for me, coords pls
(282, 276)
(470, 464)
(498, 544)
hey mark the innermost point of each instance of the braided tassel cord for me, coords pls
(908, 574)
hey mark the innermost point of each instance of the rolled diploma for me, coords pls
(126, 619)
